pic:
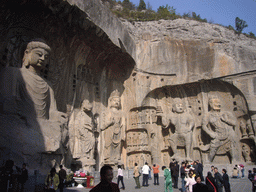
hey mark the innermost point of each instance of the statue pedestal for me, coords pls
(80, 181)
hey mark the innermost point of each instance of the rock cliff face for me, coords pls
(192, 61)
(129, 92)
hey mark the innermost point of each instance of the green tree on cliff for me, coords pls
(142, 5)
(240, 24)
(166, 12)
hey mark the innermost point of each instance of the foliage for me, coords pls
(128, 5)
(240, 25)
(198, 17)
(166, 12)
(145, 13)
(142, 5)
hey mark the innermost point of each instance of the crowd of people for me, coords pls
(191, 175)
(12, 177)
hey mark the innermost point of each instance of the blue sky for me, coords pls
(219, 11)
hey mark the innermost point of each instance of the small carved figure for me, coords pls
(249, 128)
(220, 127)
(183, 123)
(113, 130)
(84, 135)
(246, 153)
(243, 129)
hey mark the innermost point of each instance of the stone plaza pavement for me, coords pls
(237, 185)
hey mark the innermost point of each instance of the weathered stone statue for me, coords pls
(219, 125)
(246, 153)
(29, 107)
(25, 92)
(183, 123)
(83, 137)
(113, 130)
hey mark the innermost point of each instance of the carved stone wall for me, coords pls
(195, 97)
(84, 64)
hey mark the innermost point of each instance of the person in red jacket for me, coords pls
(106, 184)
(156, 174)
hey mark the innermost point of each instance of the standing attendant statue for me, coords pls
(183, 123)
(219, 125)
(113, 130)
(84, 139)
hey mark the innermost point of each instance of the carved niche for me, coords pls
(140, 136)
(208, 141)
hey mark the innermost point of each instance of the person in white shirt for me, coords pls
(190, 182)
(145, 172)
(120, 177)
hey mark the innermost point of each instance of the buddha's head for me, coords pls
(36, 55)
(86, 106)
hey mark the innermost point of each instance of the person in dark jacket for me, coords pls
(218, 180)
(252, 177)
(23, 177)
(199, 187)
(62, 177)
(226, 181)
(175, 174)
(210, 182)
(200, 170)
(182, 176)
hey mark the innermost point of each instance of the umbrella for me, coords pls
(241, 165)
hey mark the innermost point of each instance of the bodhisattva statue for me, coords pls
(29, 107)
(84, 126)
(183, 123)
(113, 130)
(219, 125)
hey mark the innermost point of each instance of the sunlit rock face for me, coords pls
(191, 61)
(115, 92)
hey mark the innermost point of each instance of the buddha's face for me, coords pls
(115, 102)
(178, 108)
(86, 106)
(37, 58)
(215, 104)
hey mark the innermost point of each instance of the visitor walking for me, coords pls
(145, 173)
(242, 169)
(120, 177)
(168, 179)
(52, 181)
(218, 180)
(136, 175)
(175, 174)
(182, 176)
(106, 184)
(226, 180)
(156, 174)
(149, 173)
(62, 177)
(199, 187)
(210, 182)
(23, 177)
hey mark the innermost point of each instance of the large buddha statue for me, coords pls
(29, 114)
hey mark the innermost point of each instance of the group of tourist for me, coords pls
(53, 181)
(13, 179)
